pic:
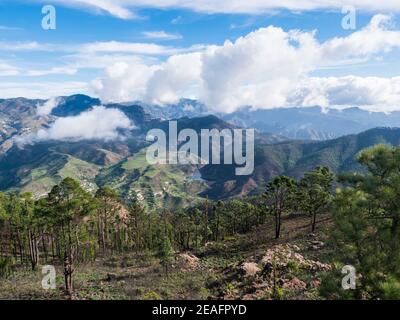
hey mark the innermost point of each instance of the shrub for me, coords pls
(6, 267)
(151, 295)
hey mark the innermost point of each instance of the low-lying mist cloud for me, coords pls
(46, 108)
(99, 123)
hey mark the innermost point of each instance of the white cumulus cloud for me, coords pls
(371, 93)
(267, 68)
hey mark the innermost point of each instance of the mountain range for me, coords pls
(312, 123)
(121, 163)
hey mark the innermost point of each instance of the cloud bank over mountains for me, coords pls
(271, 67)
(268, 68)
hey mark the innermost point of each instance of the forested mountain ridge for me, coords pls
(294, 158)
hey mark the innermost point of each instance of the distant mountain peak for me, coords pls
(74, 105)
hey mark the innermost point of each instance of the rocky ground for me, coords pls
(252, 266)
(282, 272)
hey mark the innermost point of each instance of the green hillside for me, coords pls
(155, 185)
(37, 169)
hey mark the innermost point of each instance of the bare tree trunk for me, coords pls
(314, 222)
(44, 239)
(277, 225)
(103, 238)
(68, 263)
(53, 252)
(68, 271)
(33, 250)
(206, 221)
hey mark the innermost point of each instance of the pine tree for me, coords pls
(366, 231)
(137, 219)
(70, 204)
(108, 209)
(279, 200)
(314, 194)
(166, 254)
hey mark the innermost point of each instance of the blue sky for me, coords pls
(43, 63)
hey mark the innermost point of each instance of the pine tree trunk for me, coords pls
(277, 225)
(44, 247)
(68, 263)
(314, 222)
(33, 250)
(68, 271)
